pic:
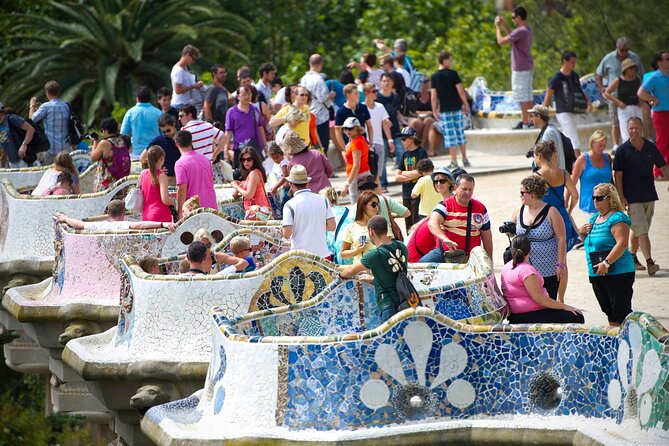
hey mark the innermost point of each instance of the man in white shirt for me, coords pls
(381, 126)
(207, 139)
(183, 81)
(307, 216)
(320, 98)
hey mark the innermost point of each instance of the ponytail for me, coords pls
(520, 247)
(155, 153)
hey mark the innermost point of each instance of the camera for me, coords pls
(508, 227)
(530, 154)
(92, 135)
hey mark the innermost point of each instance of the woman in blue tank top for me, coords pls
(556, 181)
(592, 168)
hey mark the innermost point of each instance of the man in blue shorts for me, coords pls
(449, 104)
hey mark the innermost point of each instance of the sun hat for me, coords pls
(298, 175)
(627, 63)
(539, 110)
(292, 143)
(442, 171)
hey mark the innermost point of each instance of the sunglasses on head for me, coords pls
(599, 198)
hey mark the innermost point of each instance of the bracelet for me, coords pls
(161, 224)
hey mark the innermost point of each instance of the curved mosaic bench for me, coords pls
(421, 372)
(27, 232)
(23, 177)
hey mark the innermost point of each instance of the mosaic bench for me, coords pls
(162, 332)
(419, 375)
(27, 232)
(29, 177)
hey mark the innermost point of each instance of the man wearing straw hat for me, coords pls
(307, 217)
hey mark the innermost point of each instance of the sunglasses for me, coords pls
(599, 198)
(374, 204)
(303, 94)
(246, 159)
(524, 192)
(440, 181)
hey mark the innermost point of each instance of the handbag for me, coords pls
(397, 232)
(598, 257)
(134, 201)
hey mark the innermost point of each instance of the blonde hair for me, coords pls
(191, 204)
(331, 194)
(239, 243)
(610, 191)
(184, 266)
(596, 136)
(368, 86)
(202, 234)
(295, 114)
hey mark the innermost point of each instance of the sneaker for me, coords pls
(518, 126)
(637, 264)
(652, 267)
(453, 165)
(466, 163)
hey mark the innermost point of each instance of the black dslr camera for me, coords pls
(508, 227)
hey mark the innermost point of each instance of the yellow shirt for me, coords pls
(429, 197)
(302, 128)
(352, 234)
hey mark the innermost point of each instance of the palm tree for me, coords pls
(101, 50)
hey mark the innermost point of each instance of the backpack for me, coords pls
(569, 154)
(409, 297)
(372, 160)
(416, 80)
(409, 103)
(567, 148)
(39, 143)
(120, 165)
(75, 127)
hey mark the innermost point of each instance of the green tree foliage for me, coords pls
(101, 50)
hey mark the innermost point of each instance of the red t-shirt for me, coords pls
(421, 241)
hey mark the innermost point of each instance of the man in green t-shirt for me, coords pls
(383, 266)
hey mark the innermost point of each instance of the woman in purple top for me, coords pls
(243, 124)
(317, 165)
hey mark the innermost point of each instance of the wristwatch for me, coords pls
(606, 263)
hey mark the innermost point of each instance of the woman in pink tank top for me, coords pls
(153, 183)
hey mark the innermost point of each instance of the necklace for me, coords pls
(604, 214)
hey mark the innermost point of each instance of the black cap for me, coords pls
(408, 132)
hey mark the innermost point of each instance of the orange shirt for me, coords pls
(358, 143)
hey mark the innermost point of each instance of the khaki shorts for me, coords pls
(641, 215)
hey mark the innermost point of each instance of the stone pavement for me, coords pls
(497, 184)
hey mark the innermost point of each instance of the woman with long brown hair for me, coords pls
(153, 183)
(63, 163)
(252, 186)
(355, 241)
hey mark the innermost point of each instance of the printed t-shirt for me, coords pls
(429, 197)
(380, 263)
(359, 143)
(563, 87)
(513, 287)
(409, 160)
(455, 221)
(194, 170)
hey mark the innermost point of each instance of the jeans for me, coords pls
(399, 152)
(386, 313)
(380, 150)
(323, 131)
(434, 256)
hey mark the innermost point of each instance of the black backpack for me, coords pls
(567, 147)
(409, 297)
(75, 128)
(39, 143)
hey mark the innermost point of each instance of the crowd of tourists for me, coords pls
(276, 145)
